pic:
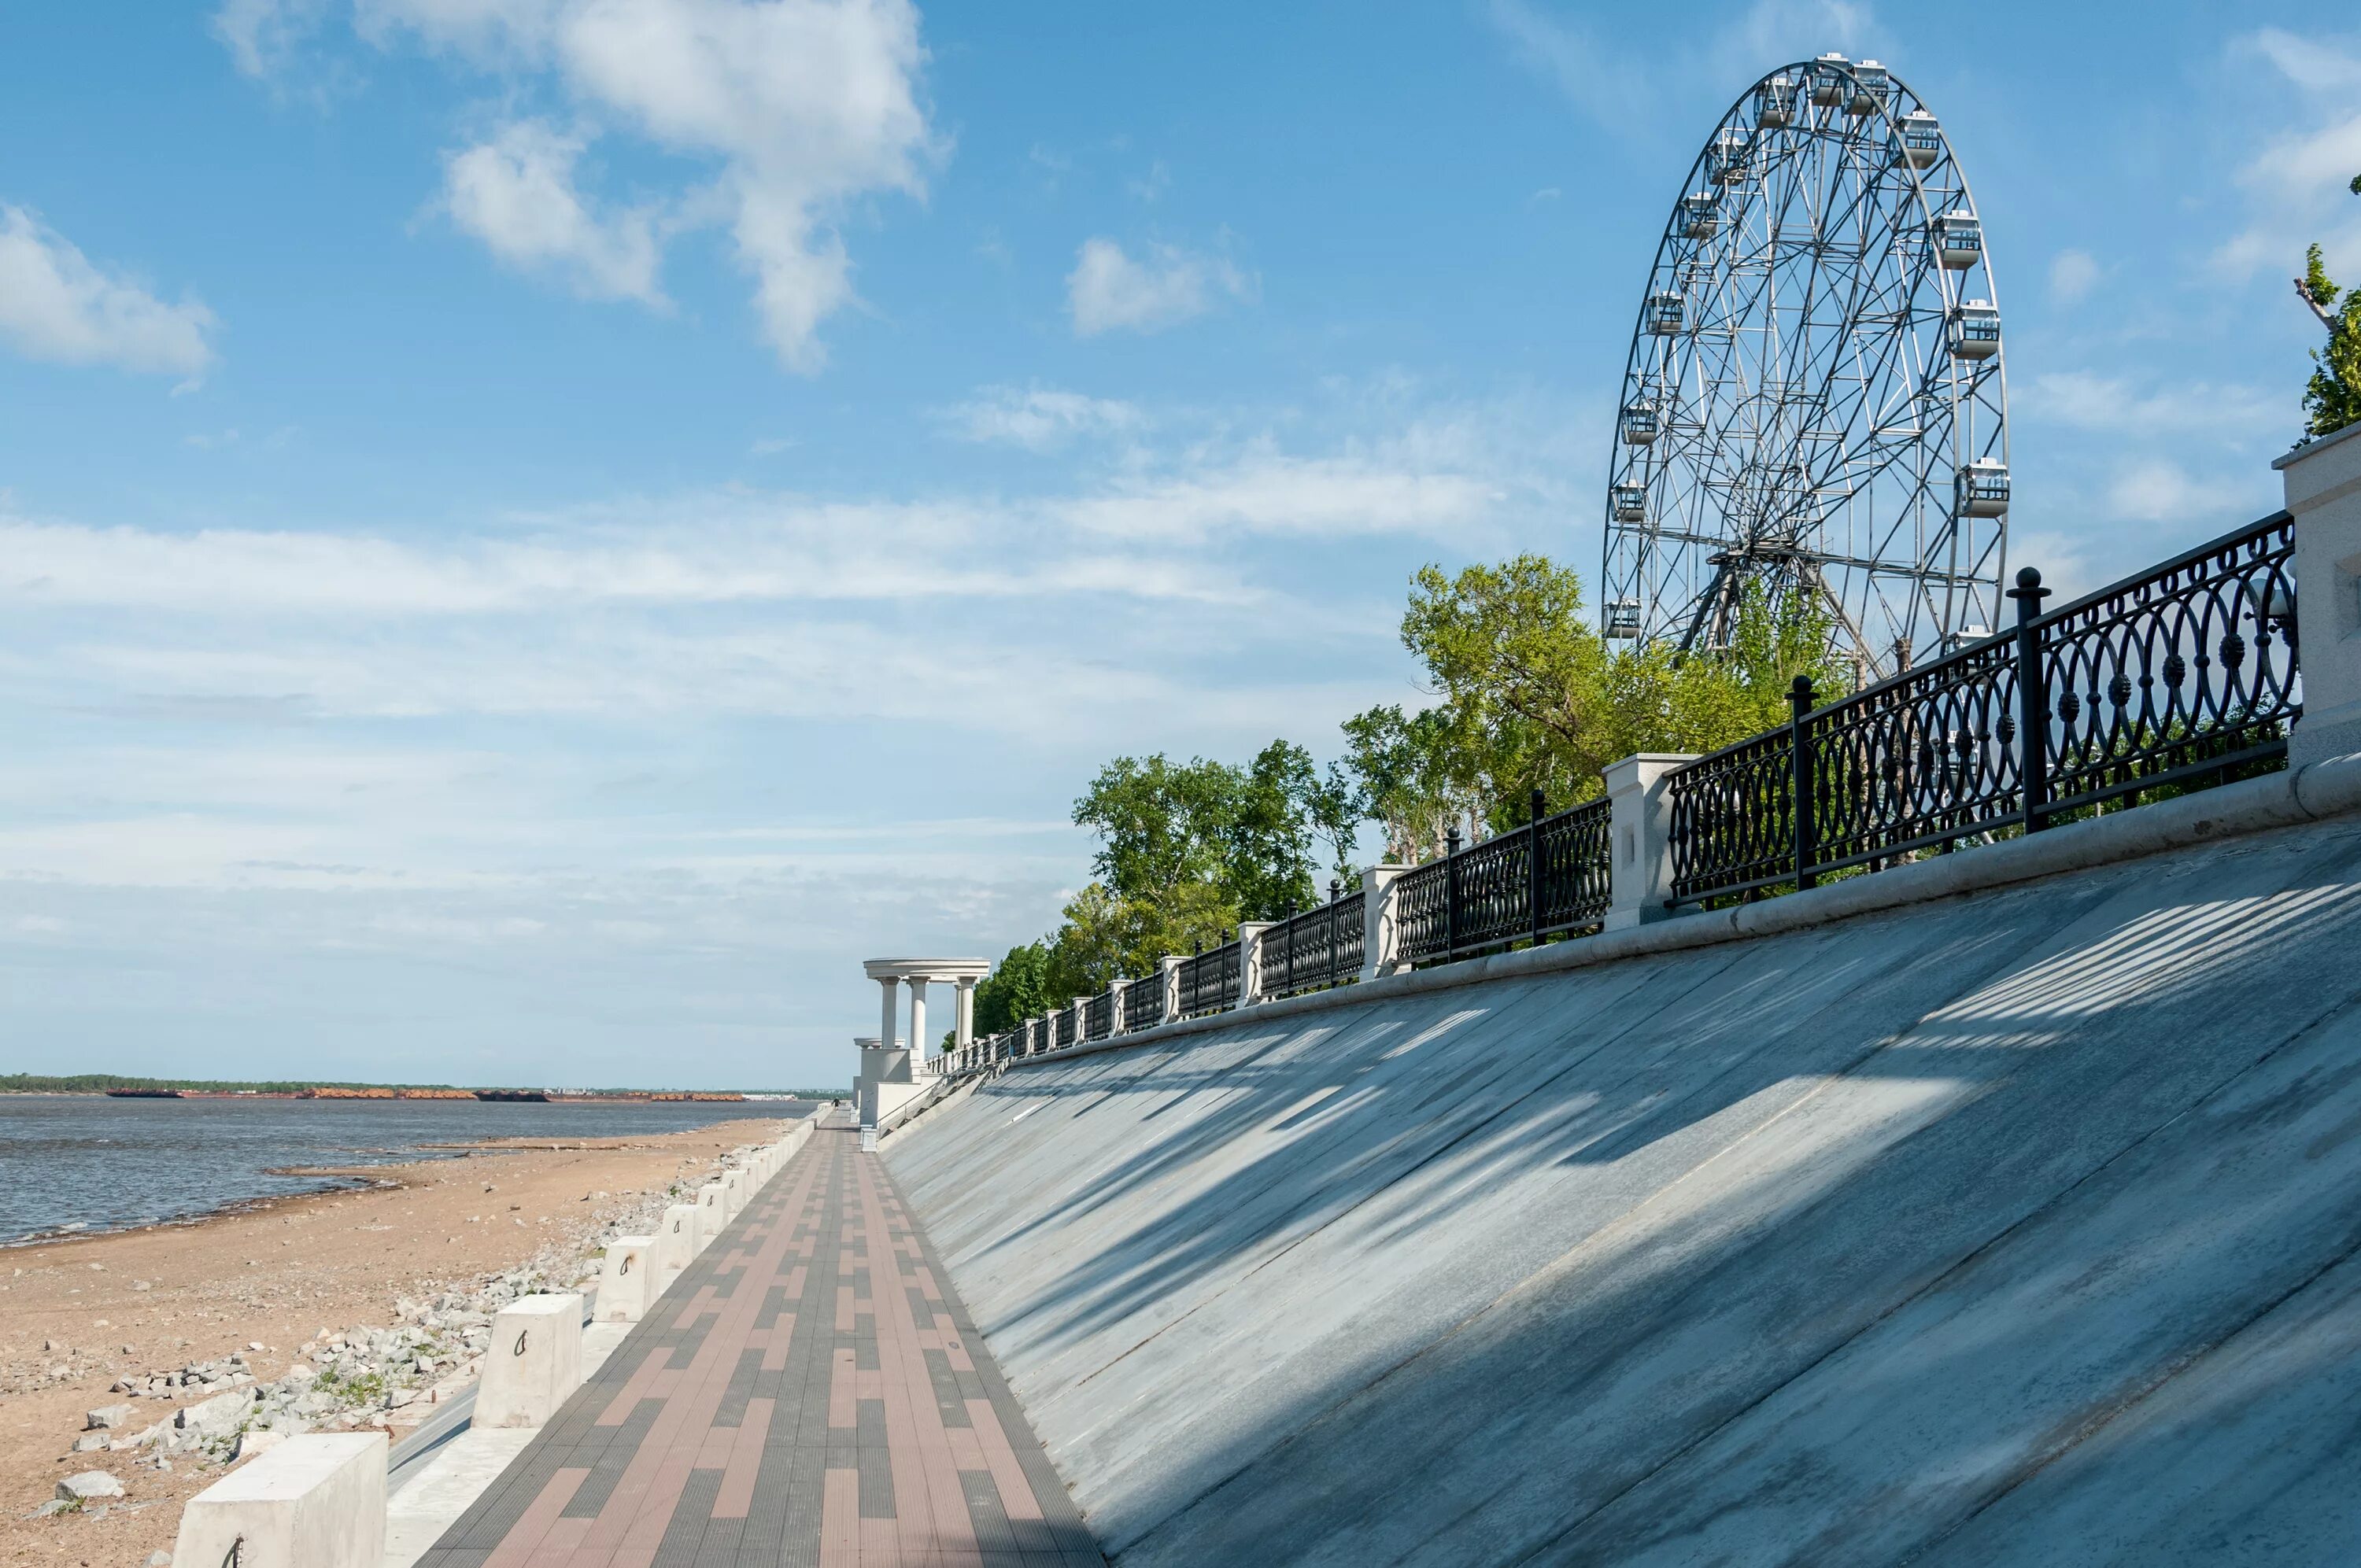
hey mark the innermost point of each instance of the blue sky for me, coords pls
(540, 533)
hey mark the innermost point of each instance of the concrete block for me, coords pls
(626, 1279)
(676, 1245)
(316, 1501)
(711, 1217)
(734, 1193)
(533, 1363)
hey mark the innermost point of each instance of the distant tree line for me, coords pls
(1528, 696)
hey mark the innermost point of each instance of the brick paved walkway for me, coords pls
(809, 1392)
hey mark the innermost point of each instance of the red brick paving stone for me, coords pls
(738, 1331)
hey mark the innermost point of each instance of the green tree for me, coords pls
(1016, 990)
(1533, 699)
(2331, 399)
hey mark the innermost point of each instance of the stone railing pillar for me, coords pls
(1378, 924)
(1115, 1006)
(317, 1500)
(1639, 838)
(1168, 969)
(1080, 1007)
(533, 1363)
(1250, 961)
(2323, 491)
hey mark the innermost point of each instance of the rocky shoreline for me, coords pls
(124, 1433)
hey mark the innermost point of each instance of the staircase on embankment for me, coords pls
(2004, 1228)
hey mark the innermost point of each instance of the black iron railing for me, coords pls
(1209, 981)
(2184, 671)
(1502, 892)
(2178, 675)
(1315, 949)
(1143, 1002)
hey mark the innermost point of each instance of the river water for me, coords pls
(89, 1162)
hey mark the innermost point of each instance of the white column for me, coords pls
(1171, 971)
(965, 1016)
(2323, 490)
(1250, 961)
(890, 1027)
(1377, 923)
(918, 1024)
(1639, 837)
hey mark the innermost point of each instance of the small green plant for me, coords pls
(2331, 399)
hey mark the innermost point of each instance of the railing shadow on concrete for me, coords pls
(1742, 1207)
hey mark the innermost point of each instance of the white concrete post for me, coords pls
(1377, 923)
(675, 1247)
(1250, 961)
(1080, 1008)
(314, 1501)
(963, 1013)
(734, 1193)
(1639, 838)
(711, 1215)
(890, 1029)
(918, 983)
(2323, 491)
(627, 1280)
(533, 1363)
(1117, 996)
(1170, 968)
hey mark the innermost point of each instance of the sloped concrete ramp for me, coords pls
(2015, 1228)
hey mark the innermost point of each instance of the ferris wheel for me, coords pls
(1815, 398)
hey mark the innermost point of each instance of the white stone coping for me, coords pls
(2283, 800)
(2316, 445)
(926, 969)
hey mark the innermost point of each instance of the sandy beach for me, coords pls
(79, 1316)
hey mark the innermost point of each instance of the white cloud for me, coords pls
(2299, 181)
(2157, 490)
(1623, 87)
(2086, 401)
(55, 304)
(1108, 289)
(798, 107)
(517, 194)
(1039, 419)
(2072, 275)
(262, 34)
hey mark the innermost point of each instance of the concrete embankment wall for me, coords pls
(2007, 1228)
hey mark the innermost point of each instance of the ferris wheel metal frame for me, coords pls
(1815, 395)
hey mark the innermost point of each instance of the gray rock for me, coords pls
(160, 1560)
(105, 1418)
(92, 1441)
(90, 1484)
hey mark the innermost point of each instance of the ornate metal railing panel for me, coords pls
(2186, 668)
(1209, 981)
(1422, 913)
(1733, 816)
(1098, 1016)
(1915, 761)
(1314, 949)
(1143, 1002)
(1068, 1026)
(1491, 884)
(1574, 873)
